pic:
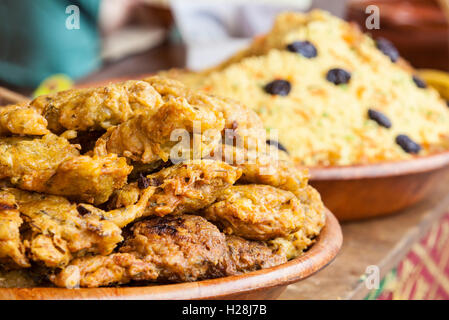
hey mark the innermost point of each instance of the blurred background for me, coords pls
(99, 40)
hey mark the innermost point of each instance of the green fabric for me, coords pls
(35, 43)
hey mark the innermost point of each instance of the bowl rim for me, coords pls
(381, 169)
(323, 251)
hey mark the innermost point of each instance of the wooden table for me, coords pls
(381, 242)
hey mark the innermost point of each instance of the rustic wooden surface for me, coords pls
(381, 241)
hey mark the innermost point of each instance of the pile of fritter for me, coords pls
(90, 195)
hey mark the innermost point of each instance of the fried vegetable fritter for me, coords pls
(252, 255)
(294, 244)
(52, 165)
(151, 138)
(97, 108)
(257, 212)
(21, 120)
(30, 162)
(182, 188)
(56, 231)
(189, 187)
(172, 248)
(126, 214)
(242, 122)
(90, 179)
(12, 250)
(272, 167)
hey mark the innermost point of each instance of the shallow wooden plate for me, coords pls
(262, 284)
(365, 191)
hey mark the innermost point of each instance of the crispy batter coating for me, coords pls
(190, 186)
(182, 188)
(52, 165)
(172, 248)
(12, 250)
(241, 122)
(30, 162)
(21, 120)
(272, 168)
(280, 172)
(252, 255)
(97, 108)
(56, 231)
(150, 138)
(257, 212)
(133, 210)
(294, 244)
(90, 179)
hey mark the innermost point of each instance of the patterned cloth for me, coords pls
(424, 273)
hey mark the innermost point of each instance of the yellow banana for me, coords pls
(436, 79)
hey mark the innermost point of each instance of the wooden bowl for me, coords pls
(365, 191)
(262, 284)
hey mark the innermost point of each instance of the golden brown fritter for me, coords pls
(241, 122)
(293, 245)
(252, 255)
(12, 250)
(169, 89)
(272, 168)
(90, 179)
(21, 120)
(122, 216)
(52, 165)
(243, 128)
(315, 211)
(56, 231)
(30, 162)
(97, 108)
(151, 138)
(182, 188)
(257, 212)
(189, 187)
(174, 249)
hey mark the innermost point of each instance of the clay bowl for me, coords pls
(262, 284)
(365, 191)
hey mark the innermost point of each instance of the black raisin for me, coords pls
(304, 48)
(278, 87)
(447, 103)
(338, 76)
(388, 48)
(82, 210)
(380, 118)
(407, 144)
(277, 145)
(419, 82)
